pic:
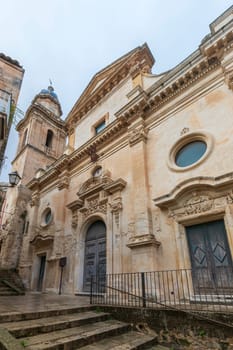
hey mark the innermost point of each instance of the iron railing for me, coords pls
(173, 289)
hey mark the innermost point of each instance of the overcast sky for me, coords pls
(68, 41)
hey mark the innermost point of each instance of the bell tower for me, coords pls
(42, 135)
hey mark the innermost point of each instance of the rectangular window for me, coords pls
(99, 127)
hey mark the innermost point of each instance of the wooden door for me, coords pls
(95, 253)
(210, 257)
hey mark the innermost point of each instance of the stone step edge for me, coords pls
(80, 340)
(32, 315)
(38, 329)
(8, 342)
(139, 341)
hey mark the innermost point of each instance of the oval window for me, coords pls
(48, 216)
(97, 172)
(190, 153)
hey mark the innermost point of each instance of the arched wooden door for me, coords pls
(95, 253)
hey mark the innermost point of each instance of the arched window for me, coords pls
(24, 138)
(49, 139)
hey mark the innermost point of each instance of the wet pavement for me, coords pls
(34, 302)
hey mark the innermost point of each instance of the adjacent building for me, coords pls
(11, 76)
(144, 181)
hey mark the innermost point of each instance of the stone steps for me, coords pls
(75, 337)
(129, 341)
(54, 323)
(73, 328)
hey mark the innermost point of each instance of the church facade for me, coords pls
(145, 180)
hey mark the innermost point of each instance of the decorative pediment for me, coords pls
(190, 199)
(93, 185)
(200, 184)
(97, 195)
(137, 60)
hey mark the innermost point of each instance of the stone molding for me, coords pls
(40, 238)
(94, 205)
(94, 196)
(35, 201)
(143, 240)
(138, 134)
(116, 207)
(199, 183)
(41, 112)
(93, 185)
(63, 181)
(193, 201)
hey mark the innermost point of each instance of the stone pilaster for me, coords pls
(141, 241)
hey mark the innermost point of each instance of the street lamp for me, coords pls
(14, 179)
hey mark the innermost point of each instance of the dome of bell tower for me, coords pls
(50, 92)
(48, 99)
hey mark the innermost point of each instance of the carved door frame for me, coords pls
(98, 199)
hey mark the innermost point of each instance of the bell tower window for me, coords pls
(49, 139)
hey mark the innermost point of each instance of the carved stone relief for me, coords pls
(138, 134)
(229, 80)
(35, 201)
(63, 183)
(157, 223)
(230, 197)
(116, 207)
(184, 131)
(94, 205)
(93, 183)
(199, 203)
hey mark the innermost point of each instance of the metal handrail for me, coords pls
(172, 289)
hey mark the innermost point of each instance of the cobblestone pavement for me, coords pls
(32, 302)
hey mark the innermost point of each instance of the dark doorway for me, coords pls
(210, 258)
(95, 253)
(42, 263)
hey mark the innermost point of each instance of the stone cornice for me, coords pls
(44, 113)
(77, 204)
(220, 41)
(80, 154)
(28, 145)
(115, 186)
(161, 95)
